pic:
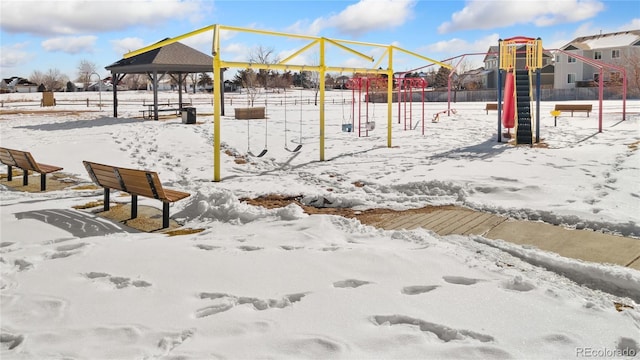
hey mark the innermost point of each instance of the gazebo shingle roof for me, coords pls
(172, 58)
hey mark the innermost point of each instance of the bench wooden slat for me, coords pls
(6, 158)
(174, 195)
(46, 169)
(138, 180)
(574, 108)
(24, 160)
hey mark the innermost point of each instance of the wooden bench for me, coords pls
(164, 107)
(24, 160)
(574, 107)
(491, 106)
(136, 183)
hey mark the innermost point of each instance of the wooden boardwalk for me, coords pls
(585, 245)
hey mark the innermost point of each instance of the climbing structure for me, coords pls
(518, 95)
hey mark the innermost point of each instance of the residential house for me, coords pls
(617, 48)
(18, 84)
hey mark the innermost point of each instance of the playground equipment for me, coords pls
(266, 137)
(555, 114)
(321, 67)
(436, 116)
(363, 84)
(517, 91)
(286, 144)
(405, 92)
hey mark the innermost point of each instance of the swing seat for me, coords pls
(371, 125)
(347, 128)
(262, 153)
(296, 149)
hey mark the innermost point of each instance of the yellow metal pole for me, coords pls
(349, 50)
(168, 41)
(423, 57)
(267, 32)
(298, 52)
(216, 103)
(321, 84)
(382, 56)
(389, 96)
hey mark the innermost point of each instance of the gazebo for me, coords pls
(176, 60)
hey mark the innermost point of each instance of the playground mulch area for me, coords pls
(55, 181)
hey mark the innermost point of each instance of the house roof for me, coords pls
(172, 58)
(602, 41)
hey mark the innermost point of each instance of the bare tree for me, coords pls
(85, 69)
(135, 81)
(262, 55)
(248, 78)
(631, 63)
(37, 77)
(54, 80)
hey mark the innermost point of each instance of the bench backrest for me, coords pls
(578, 107)
(136, 182)
(491, 106)
(6, 158)
(19, 158)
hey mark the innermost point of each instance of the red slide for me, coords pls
(508, 111)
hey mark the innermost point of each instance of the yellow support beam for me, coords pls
(307, 47)
(267, 32)
(348, 49)
(168, 41)
(423, 57)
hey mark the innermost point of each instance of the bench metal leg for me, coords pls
(165, 215)
(25, 177)
(134, 206)
(43, 182)
(107, 192)
(9, 173)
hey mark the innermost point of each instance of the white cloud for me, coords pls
(458, 46)
(88, 16)
(70, 44)
(360, 18)
(14, 55)
(123, 46)
(634, 24)
(483, 14)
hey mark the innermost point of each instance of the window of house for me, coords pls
(571, 78)
(615, 54)
(597, 55)
(571, 59)
(558, 58)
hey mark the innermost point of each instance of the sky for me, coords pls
(44, 35)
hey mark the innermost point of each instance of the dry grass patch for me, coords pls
(185, 231)
(368, 216)
(89, 205)
(55, 181)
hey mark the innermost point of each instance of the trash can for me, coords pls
(188, 115)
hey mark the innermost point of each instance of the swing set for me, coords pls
(362, 84)
(322, 67)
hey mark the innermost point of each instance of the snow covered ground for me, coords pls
(277, 283)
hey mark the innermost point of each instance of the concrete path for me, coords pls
(578, 244)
